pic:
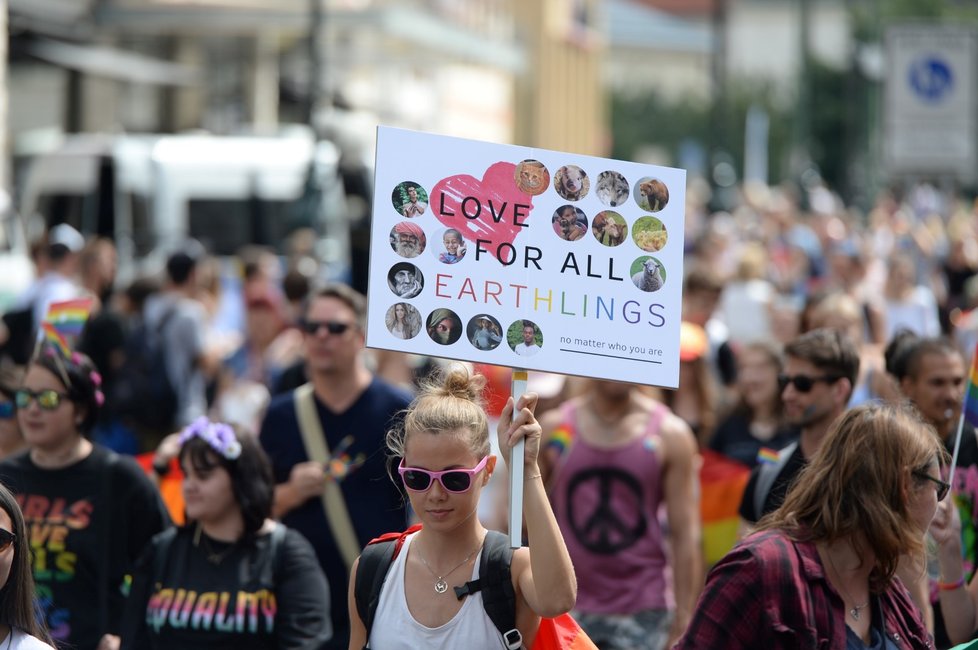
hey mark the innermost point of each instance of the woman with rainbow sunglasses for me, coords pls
(90, 511)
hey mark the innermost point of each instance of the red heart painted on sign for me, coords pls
(490, 209)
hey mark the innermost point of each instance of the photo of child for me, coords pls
(454, 247)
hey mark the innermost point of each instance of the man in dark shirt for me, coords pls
(355, 410)
(820, 370)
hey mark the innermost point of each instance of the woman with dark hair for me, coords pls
(754, 427)
(91, 512)
(18, 622)
(821, 570)
(231, 578)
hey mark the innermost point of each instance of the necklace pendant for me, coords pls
(855, 613)
(441, 586)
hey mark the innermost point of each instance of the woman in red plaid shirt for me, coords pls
(820, 571)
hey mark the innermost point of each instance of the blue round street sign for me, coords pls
(931, 79)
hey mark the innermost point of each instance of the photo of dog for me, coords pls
(652, 194)
(532, 177)
(612, 188)
(571, 182)
(609, 228)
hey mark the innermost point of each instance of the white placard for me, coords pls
(565, 263)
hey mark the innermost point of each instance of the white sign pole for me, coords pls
(516, 469)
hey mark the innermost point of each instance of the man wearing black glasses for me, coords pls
(932, 374)
(820, 370)
(354, 410)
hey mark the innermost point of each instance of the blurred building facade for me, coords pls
(498, 70)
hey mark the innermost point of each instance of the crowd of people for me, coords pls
(824, 354)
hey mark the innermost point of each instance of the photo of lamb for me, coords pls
(648, 273)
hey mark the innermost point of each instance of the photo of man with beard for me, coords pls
(408, 239)
(405, 280)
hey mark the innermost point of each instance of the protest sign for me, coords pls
(526, 258)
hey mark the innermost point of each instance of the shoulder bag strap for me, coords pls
(317, 449)
(767, 475)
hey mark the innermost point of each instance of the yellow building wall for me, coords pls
(560, 103)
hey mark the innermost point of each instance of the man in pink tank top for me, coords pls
(614, 461)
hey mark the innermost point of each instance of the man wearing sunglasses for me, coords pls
(355, 410)
(820, 370)
(931, 373)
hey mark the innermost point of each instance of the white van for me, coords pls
(151, 193)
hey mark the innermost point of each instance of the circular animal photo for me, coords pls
(403, 320)
(571, 183)
(532, 177)
(484, 332)
(648, 273)
(444, 326)
(524, 337)
(452, 248)
(407, 239)
(409, 199)
(612, 188)
(609, 228)
(569, 223)
(651, 194)
(405, 280)
(649, 234)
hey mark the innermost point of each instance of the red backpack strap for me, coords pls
(386, 537)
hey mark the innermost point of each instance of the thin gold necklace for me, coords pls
(441, 585)
(854, 611)
(214, 557)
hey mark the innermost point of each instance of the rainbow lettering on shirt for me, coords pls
(241, 612)
(50, 522)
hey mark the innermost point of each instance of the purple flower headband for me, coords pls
(219, 436)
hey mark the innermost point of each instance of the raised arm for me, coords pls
(959, 601)
(679, 485)
(546, 579)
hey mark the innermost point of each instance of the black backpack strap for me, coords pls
(272, 568)
(495, 581)
(106, 488)
(375, 561)
(161, 551)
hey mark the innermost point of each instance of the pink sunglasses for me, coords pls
(452, 480)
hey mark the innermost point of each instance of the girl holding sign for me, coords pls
(433, 594)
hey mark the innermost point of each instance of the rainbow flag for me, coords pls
(722, 483)
(970, 408)
(56, 338)
(69, 316)
(64, 322)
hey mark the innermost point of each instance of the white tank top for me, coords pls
(395, 629)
